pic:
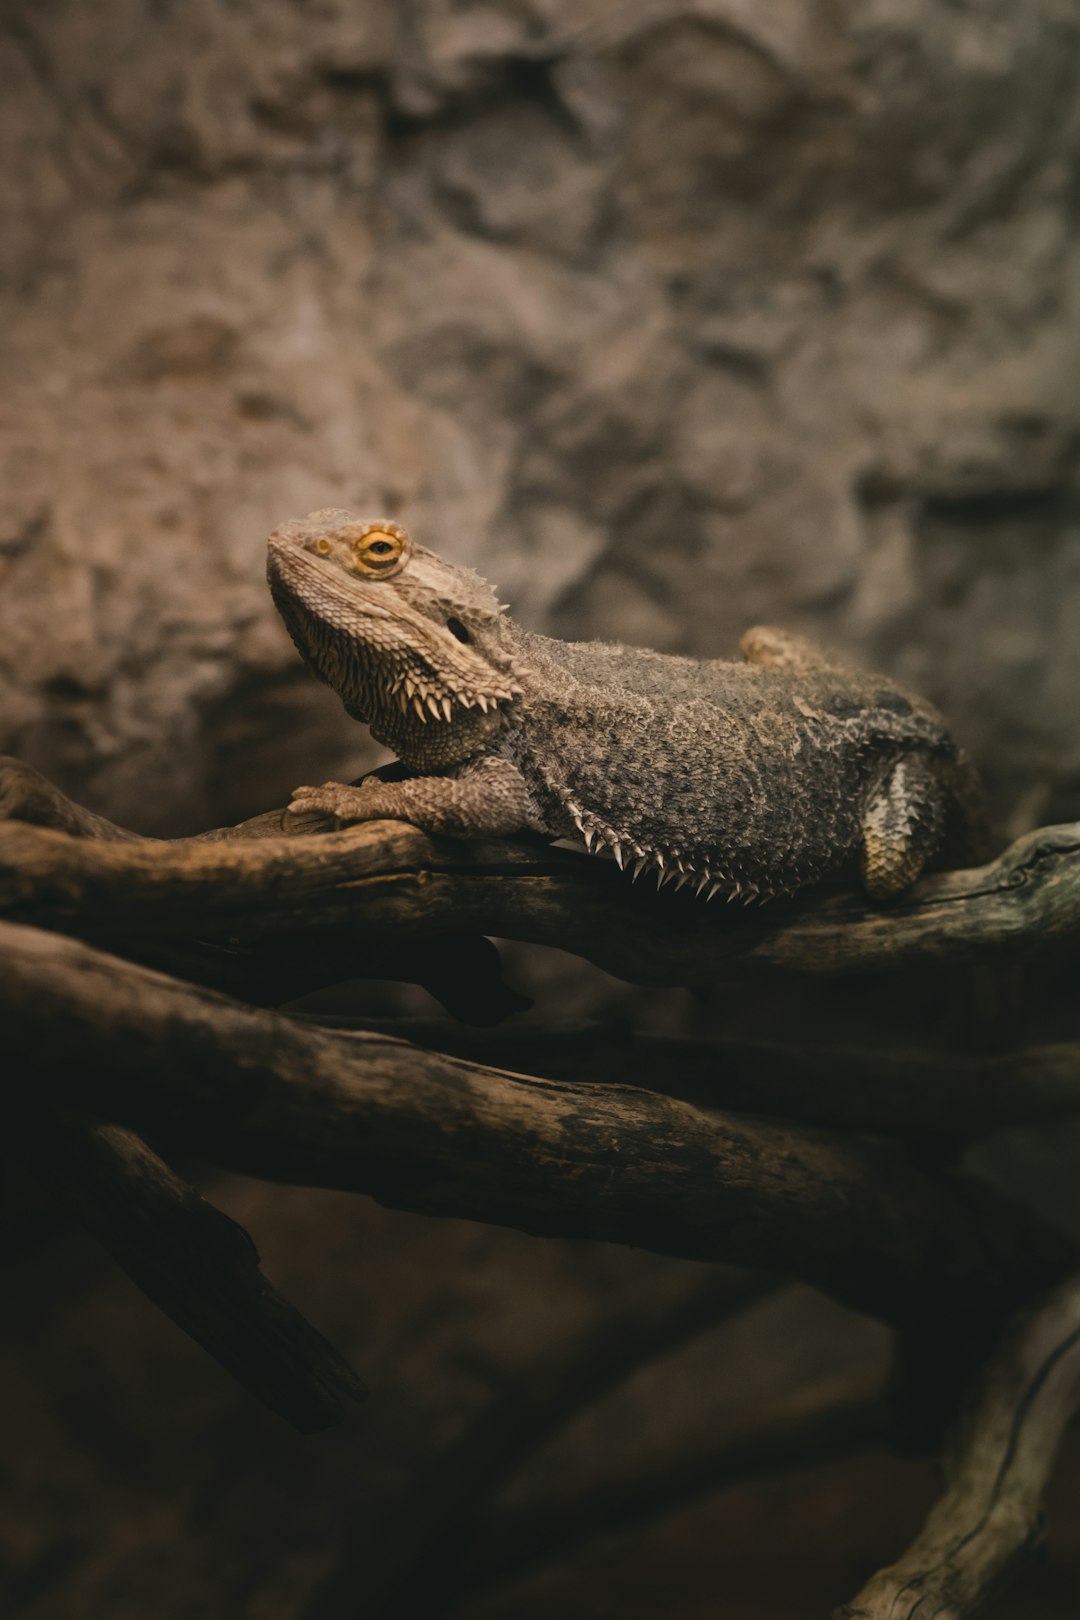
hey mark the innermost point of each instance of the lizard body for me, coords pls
(750, 779)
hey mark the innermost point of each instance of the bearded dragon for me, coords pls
(749, 780)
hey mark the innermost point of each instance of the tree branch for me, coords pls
(924, 1094)
(997, 1471)
(392, 879)
(197, 1265)
(26, 795)
(267, 1094)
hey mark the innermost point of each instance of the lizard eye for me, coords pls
(379, 548)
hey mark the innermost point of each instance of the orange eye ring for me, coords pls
(380, 548)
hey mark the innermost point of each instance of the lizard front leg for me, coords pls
(487, 800)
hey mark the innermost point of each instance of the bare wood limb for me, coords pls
(402, 1570)
(389, 878)
(462, 971)
(197, 1265)
(997, 1471)
(881, 1089)
(26, 795)
(803, 1428)
(267, 1094)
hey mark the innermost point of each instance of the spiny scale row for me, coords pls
(669, 867)
(426, 704)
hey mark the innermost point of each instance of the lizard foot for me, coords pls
(336, 799)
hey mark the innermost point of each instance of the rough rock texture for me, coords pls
(670, 317)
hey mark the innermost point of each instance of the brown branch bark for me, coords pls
(923, 1094)
(997, 1471)
(26, 795)
(197, 1265)
(462, 971)
(264, 1093)
(389, 879)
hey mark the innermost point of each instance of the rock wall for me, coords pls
(670, 317)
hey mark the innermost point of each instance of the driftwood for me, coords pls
(956, 1096)
(392, 880)
(196, 1264)
(997, 1468)
(262, 1093)
(159, 963)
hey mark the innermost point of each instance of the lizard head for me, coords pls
(396, 631)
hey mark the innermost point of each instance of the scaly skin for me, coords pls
(749, 779)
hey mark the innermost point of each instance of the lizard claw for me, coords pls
(334, 799)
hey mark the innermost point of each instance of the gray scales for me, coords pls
(749, 780)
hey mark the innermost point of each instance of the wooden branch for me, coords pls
(26, 795)
(197, 1265)
(803, 1428)
(997, 1471)
(462, 971)
(264, 1093)
(388, 879)
(959, 1097)
(922, 1094)
(402, 1568)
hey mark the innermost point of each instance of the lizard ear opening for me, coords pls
(380, 548)
(458, 631)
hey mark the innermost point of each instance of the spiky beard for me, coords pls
(373, 683)
(418, 690)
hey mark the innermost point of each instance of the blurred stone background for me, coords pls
(670, 318)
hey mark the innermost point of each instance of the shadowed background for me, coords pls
(669, 318)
